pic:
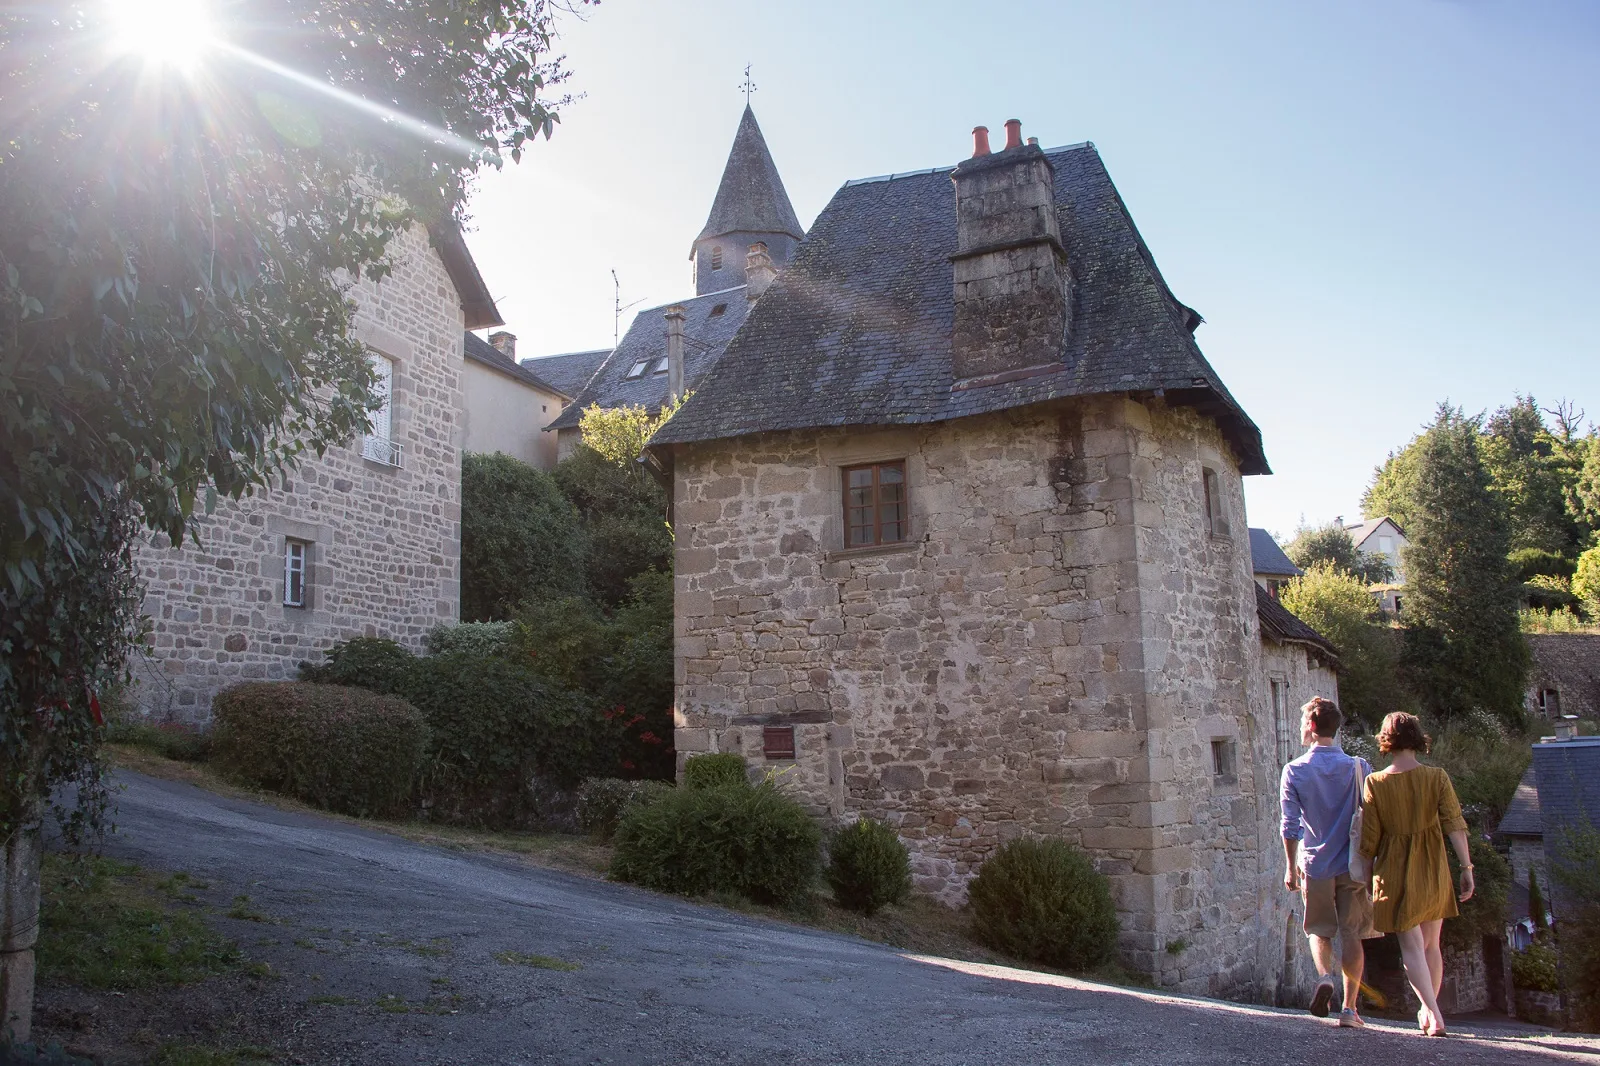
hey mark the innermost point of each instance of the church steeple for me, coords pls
(751, 206)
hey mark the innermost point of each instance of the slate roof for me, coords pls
(569, 371)
(1569, 785)
(479, 350)
(1522, 816)
(476, 303)
(1267, 558)
(857, 329)
(706, 332)
(1283, 625)
(1361, 531)
(751, 197)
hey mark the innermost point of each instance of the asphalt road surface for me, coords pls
(394, 946)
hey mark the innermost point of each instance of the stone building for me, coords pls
(364, 541)
(749, 237)
(961, 545)
(1564, 677)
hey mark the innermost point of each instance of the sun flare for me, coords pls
(174, 33)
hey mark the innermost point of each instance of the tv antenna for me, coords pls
(747, 85)
(617, 308)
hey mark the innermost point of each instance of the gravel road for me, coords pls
(414, 954)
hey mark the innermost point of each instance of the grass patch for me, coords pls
(108, 924)
(241, 911)
(179, 1054)
(538, 962)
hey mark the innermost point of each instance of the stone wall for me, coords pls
(1569, 664)
(385, 546)
(1055, 652)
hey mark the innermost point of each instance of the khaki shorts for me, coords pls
(1337, 906)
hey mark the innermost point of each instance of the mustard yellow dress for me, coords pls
(1404, 819)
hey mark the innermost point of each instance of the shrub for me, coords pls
(602, 801)
(1485, 913)
(1586, 580)
(1576, 872)
(497, 730)
(519, 537)
(1529, 563)
(753, 841)
(1534, 968)
(343, 749)
(170, 740)
(366, 662)
(715, 771)
(1485, 763)
(1043, 901)
(473, 638)
(868, 866)
(624, 513)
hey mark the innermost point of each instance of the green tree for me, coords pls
(1586, 581)
(624, 512)
(1339, 607)
(175, 259)
(1463, 649)
(620, 433)
(1333, 546)
(1531, 468)
(1583, 496)
(520, 538)
(1392, 493)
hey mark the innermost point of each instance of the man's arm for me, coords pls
(1293, 830)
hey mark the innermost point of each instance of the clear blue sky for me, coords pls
(1376, 206)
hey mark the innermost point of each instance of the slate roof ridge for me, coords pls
(479, 350)
(750, 197)
(874, 179)
(568, 371)
(1522, 813)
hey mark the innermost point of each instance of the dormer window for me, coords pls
(637, 370)
(716, 257)
(660, 367)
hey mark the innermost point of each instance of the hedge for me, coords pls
(1043, 901)
(868, 867)
(339, 748)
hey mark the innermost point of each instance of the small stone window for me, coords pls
(875, 504)
(1285, 724)
(719, 310)
(777, 742)
(1224, 754)
(1216, 521)
(1550, 703)
(296, 572)
(716, 257)
(1397, 599)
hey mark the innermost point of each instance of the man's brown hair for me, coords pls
(1325, 716)
(1403, 732)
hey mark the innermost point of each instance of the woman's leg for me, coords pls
(1414, 952)
(1430, 938)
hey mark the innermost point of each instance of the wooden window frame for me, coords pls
(1283, 724)
(777, 743)
(878, 540)
(296, 567)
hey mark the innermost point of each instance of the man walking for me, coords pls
(1321, 794)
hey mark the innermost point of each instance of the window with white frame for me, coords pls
(379, 445)
(637, 370)
(296, 572)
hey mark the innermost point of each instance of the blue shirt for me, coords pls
(1319, 800)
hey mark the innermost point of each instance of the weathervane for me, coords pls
(748, 86)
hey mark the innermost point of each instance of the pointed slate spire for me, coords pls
(751, 198)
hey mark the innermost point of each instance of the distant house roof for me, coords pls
(570, 371)
(1267, 558)
(751, 197)
(857, 330)
(1361, 531)
(476, 303)
(1284, 626)
(1522, 816)
(1569, 785)
(709, 322)
(481, 351)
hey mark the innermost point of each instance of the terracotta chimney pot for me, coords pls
(980, 141)
(1013, 133)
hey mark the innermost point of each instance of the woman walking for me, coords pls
(1409, 808)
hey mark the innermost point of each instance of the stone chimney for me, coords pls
(504, 343)
(1567, 727)
(758, 271)
(1013, 287)
(675, 352)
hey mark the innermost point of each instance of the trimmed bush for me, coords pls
(715, 771)
(473, 638)
(366, 662)
(339, 748)
(753, 841)
(1534, 968)
(170, 740)
(868, 867)
(1043, 901)
(602, 801)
